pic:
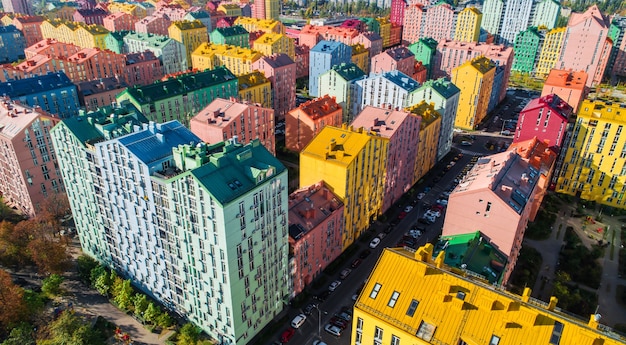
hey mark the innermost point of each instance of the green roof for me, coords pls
(153, 40)
(473, 252)
(442, 86)
(348, 71)
(234, 30)
(179, 85)
(236, 170)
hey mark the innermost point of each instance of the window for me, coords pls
(359, 323)
(495, 340)
(393, 299)
(395, 340)
(488, 208)
(555, 339)
(412, 308)
(460, 295)
(378, 334)
(375, 291)
(425, 331)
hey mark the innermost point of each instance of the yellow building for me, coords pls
(79, 34)
(190, 33)
(352, 163)
(361, 56)
(550, 51)
(132, 9)
(273, 43)
(265, 25)
(237, 59)
(429, 138)
(411, 298)
(475, 80)
(385, 30)
(594, 167)
(231, 10)
(468, 25)
(255, 88)
(7, 19)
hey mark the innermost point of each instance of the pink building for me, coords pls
(353, 24)
(223, 119)
(154, 25)
(142, 68)
(171, 12)
(371, 41)
(399, 58)
(421, 73)
(51, 47)
(569, 86)
(395, 34)
(303, 123)
(413, 25)
(120, 21)
(396, 16)
(402, 130)
(30, 26)
(544, 118)
(310, 35)
(440, 19)
(586, 46)
(281, 71)
(497, 198)
(451, 54)
(94, 94)
(27, 169)
(302, 61)
(225, 22)
(315, 227)
(90, 16)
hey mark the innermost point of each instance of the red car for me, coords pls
(287, 335)
(402, 215)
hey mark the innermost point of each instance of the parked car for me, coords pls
(443, 202)
(356, 263)
(298, 321)
(334, 285)
(425, 220)
(319, 342)
(345, 273)
(339, 322)
(381, 235)
(401, 215)
(287, 335)
(408, 209)
(309, 308)
(365, 253)
(420, 196)
(332, 329)
(345, 315)
(466, 143)
(322, 296)
(375, 242)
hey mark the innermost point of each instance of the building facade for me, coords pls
(400, 58)
(101, 93)
(322, 57)
(171, 53)
(475, 80)
(339, 82)
(527, 49)
(468, 25)
(303, 123)
(570, 86)
(429, 134)
(190, 34)
(280, 69)
(12, 44)
(545, 118)
(389, 89)
(255, 88)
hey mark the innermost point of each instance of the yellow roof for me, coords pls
(340, 145)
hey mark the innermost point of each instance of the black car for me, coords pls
(309, 308)
(323, 296)
(388, 229)
(365, 253)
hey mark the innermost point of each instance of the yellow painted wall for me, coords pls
(429, 138)
(468, 25)
(475, 80)
(550, 51)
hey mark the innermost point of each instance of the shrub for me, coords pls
(51, 286)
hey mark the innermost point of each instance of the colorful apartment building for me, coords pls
(322, 57)
(142, 68)
(546, 14)
(181, 97)
(444, 96)
(550, 51)
(235, 36)
(360, 56)
(280, 69)
(467, 27)
(315, 228)
(95, 94)
(497, 197)
(238, 60)
(493, 11)
(203, 16)
(17, 6)
(370, 40)
(50, 47)
(257, 24)
(30, 26)
(225, 119)
(414, 18)
(505, 19)
(354, 24)
(396, 14)
(90, 16)
(517, 17)
(54, 93)
(527, 49)
(273, 43)
(389, 89)
(168, 161)
(134, 9)
(154, 24)
(463, 309)
(254, 87)
(267, 9)
(589, 29)
(119, 21)
(351, 162)
(385, 31)
(594, 167)
(338, 82)
(424, 50)
(429, 134)
(12, 44)
(170, 52)
(401, 127)
(545, 118)
(302, 61)
(475, 80)
(28, 173)
(400, 59)
(190, 34)
(80, 34)
(570, 86)
(311, 35)
(303, 123)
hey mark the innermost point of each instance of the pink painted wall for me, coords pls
(544, 119)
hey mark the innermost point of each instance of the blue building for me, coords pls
(12, 44)
(53, 92)
(322, 58)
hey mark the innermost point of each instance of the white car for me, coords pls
(375, 242)
(466, 143)
(420, 196)
(436, 213)
(442, 202)
(334, 285)
(332, 329)
(319, 342)
(298, 321)
(408, 209)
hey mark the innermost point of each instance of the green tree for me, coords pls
(51, 286)
(140, 301)
(69, 328)
(85, 265)
(34, 302)
(152, 313)
(164, 320)
(21, 335)
(123, 293)
(13, 310)
(101, 280)
(189, 334)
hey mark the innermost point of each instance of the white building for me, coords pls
(388, 89)
(171, 53)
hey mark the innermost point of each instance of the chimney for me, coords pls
(552, 303)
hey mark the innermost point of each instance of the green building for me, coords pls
(181, 97)
(114, 41)
(424, 50)
(371, 23)
(338, 82)
(235, 35)
(527, 48)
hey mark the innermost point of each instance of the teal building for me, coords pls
(234, 35)
(527, 48)
(114, 41)
(338, 82)
(424, 50)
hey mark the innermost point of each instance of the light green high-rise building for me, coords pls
(235, 35)
(424, 50)
(339, 83)
(527, 48)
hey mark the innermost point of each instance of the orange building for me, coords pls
(119, 21)
(30, 26)
(310, 35)
(304, 122)
(569, 86)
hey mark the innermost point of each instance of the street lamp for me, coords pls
(319, 320)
